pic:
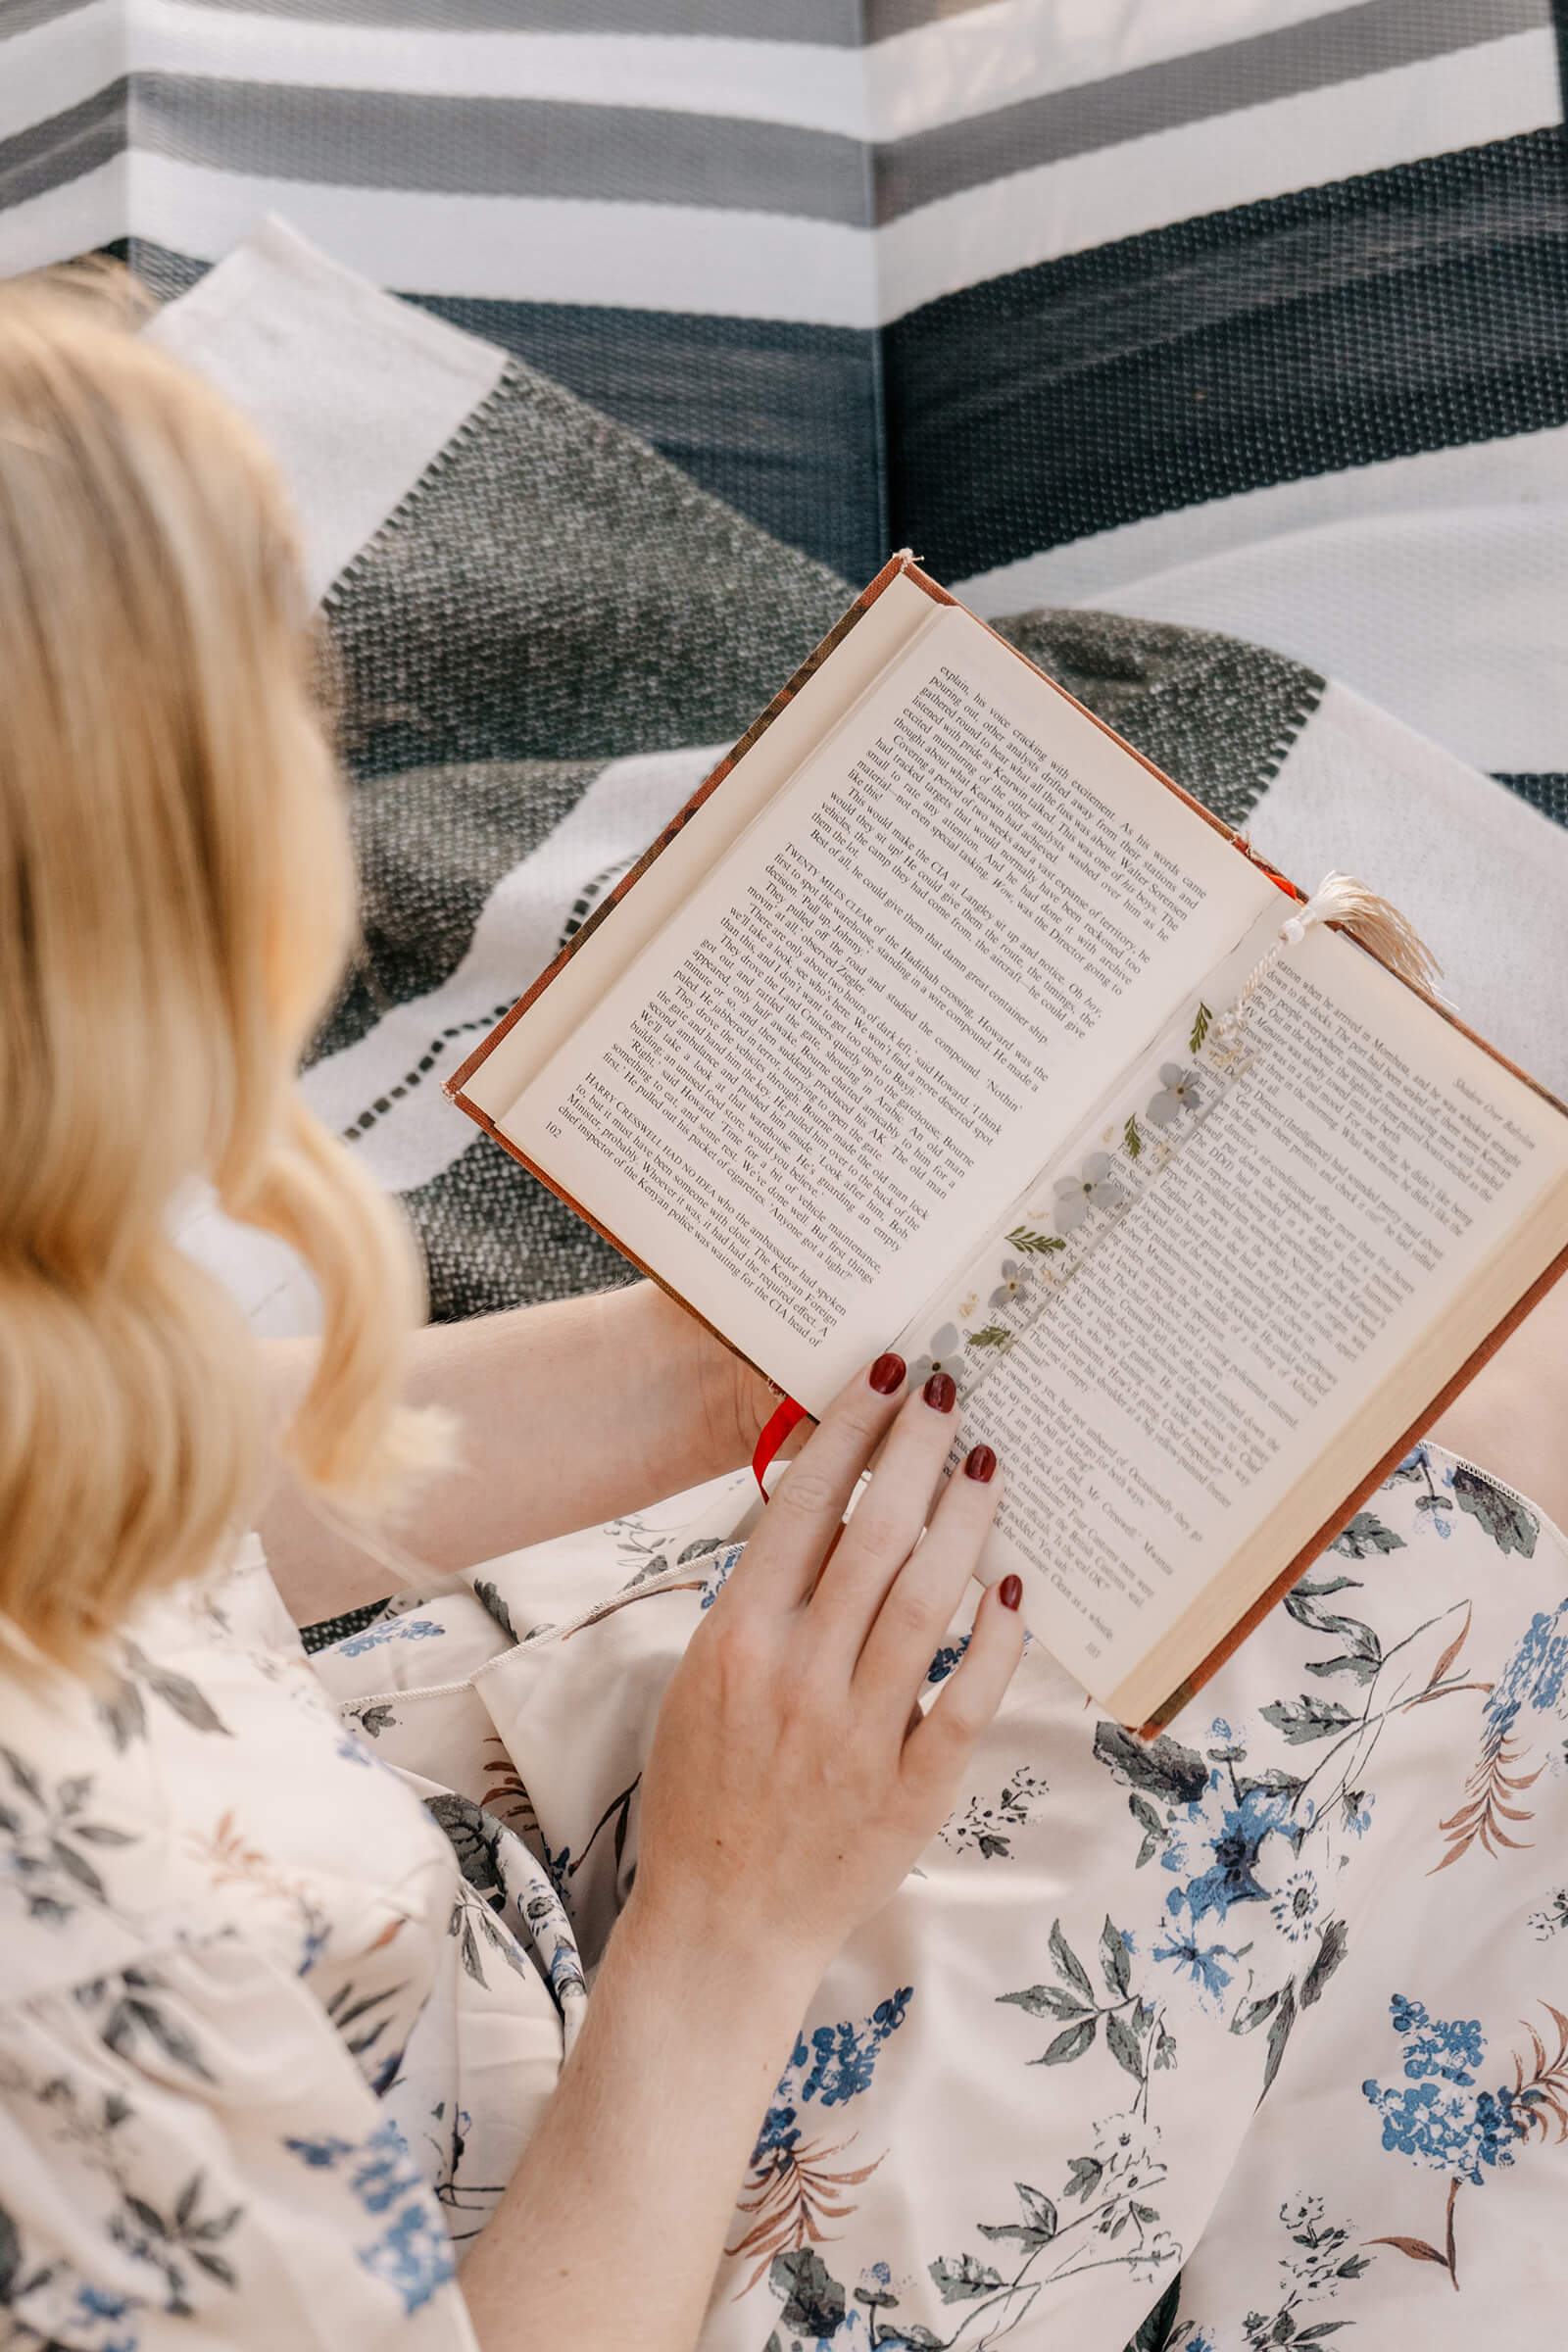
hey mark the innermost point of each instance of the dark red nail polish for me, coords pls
(886, 1375)
(941, 1393)
(981, 1464)
(1010, 1591)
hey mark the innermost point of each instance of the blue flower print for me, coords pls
(1534, 1675)
(402, 1629)
(1234, 1844)
(386, 2171)
(1295, 1907)
(1446, 2050)
(718, 1574)
(1445, 2128)
(1448, 2133)
(319, 2154)
(414, 2256)
(1196, 1956)
(833, 2064)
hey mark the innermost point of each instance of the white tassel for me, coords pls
(1357, 908)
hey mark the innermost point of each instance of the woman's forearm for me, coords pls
(609, 2233)
(568, 1415)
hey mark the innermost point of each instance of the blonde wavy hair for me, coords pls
(176, 901)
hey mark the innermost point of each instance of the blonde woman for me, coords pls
(239, 1964)
(219, 1930)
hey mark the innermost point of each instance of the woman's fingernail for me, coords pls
(981, 1464)
(1010, 1591)
(886, 1375)
(940, 1393)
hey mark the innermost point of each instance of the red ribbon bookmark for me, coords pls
(773, 1436)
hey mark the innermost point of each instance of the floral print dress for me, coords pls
(1253, 2035)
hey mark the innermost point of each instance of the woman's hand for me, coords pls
(792, 1781)
(792, 1784)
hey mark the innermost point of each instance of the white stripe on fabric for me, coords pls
(1438, 584)
(528, 249)
(1522, 471)
(940, 73)
(355, 391)
(967, 65)
(59, 63)
(1483, 876)
(769, 81)
(63, 62)
(1454, 621)
(1464, 100)
(65, 220)
(516, 935)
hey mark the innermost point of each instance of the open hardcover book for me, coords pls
(921, 1028)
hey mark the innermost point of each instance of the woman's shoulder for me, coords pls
(201, 1782)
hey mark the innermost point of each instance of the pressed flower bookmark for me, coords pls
(1080, 1199)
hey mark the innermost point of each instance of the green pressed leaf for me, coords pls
(1132, 1139)
(1201, 1023)
(1035, 1245)
(994, 1335)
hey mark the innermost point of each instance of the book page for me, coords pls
(902, 988)
(1341, 1198)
